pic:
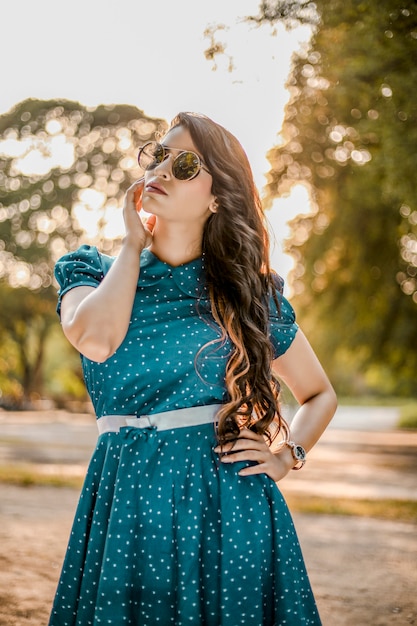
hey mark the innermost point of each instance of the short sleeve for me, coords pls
(83, 267)
(282, 324)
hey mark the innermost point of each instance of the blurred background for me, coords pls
(323, 98)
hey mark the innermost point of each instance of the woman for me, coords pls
(180, 520)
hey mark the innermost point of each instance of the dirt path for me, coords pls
(363, 571)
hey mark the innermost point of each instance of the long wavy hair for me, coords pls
(239, 279)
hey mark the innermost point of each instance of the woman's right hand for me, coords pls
(96, 319)
(138, 232)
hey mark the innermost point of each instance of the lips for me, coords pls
(153, 187)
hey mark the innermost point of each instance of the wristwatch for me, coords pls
(298, 453)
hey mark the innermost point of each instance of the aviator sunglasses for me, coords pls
(185, 166)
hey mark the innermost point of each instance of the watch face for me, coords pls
(300, 453)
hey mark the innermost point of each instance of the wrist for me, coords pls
(286, 457)
(295, 454)
(132, 243)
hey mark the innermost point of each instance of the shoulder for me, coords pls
(280, 306)
(86, 259)
(84, 267)
(282, 318)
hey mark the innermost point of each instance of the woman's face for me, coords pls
(178, 200)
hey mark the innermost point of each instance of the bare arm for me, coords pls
(301, 371)
(95, 320)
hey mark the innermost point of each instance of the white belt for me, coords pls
(179, 418)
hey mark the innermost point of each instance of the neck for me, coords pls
(176, 244)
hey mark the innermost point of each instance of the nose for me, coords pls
(164, 169)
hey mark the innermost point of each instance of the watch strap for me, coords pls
(298, 453)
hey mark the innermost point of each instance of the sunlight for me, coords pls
(38, 156)
(249, 100)
(114, 226)
(92, 199)
(86, 219)
(20, 276)
(284, 210)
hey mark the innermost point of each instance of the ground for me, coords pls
(363, 570)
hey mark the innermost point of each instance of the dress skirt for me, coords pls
(165, 534)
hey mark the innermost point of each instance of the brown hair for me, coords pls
(236, 251)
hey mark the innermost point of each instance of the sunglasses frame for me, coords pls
(165, 154)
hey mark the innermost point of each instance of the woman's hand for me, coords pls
(252, 447)
(138, 232)
(96, 319)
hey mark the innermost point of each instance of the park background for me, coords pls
(323, 97)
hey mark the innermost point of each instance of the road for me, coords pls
(365, 418)
(362, 569)
(361, 454)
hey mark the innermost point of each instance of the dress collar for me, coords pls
(189, 277)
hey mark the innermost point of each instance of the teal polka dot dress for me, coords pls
(165, 534)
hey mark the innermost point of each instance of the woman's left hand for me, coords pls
(252, 447)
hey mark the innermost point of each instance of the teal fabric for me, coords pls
(164, 533)
(159, 366)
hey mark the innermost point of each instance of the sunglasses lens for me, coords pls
(186, 166)
(150, 155)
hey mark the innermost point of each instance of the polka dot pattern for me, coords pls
(164, 534)
(156, 368)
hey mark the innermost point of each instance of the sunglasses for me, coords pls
(185, 166)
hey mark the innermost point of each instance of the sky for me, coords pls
(151, 55)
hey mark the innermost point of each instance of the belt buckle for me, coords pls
(143, 421)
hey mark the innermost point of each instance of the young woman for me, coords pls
(183, 337)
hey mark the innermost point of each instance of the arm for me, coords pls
(301, 371)
(303, 374)
(95, 320)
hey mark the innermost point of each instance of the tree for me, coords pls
(25, 321)
(350, 134)
(63, 172)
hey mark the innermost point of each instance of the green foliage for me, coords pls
(64, 169)
(408, 416)
(63, 372)
(350, 134)
(80, 150)
(10, 388)
(25, 320)
(291, 13)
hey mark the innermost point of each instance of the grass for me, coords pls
(408, 416)
(25, 475)
(393, 510)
